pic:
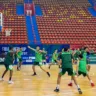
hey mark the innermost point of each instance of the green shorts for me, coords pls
(69, 70)
(44, 58)
(19, 59)
(54, 61)
(37, 63)
(8, 67)
(82, 73)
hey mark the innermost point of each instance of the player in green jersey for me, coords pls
(54, 58)
(59, 56)
(70, 50)
(82, 70)
(76, 56)
(38, 59)
(19, 58)
(8, 62)
(84, 54)
(15, 55)
(44, 56)
(66, 63)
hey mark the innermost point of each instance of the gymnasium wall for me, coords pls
(28, 55)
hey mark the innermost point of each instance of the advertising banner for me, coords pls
(29, 55)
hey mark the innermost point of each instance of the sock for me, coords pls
(57, 86)
(78, 86)
(10, 79)
(2, 77)
(34, 72)
(91, 81)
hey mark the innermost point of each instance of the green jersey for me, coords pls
(71, 51)
(82, 51)
(19, 54)
(55, 56)
(84, 55)
(38, 56)
(15, 55)
(76, 55)
(82, 66)
(44, 56)
(9, 58)
(66, 58)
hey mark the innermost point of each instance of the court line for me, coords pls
(52, 91)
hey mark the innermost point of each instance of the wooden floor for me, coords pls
(42, 85)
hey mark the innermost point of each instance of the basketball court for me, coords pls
(42, 85)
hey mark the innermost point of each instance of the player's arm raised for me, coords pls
(31, 48)
(43, 51)
(54, 56)
(17, 52)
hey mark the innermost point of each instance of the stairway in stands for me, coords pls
(29, 30)
(32, 28)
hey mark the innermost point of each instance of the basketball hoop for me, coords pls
(8, 31)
